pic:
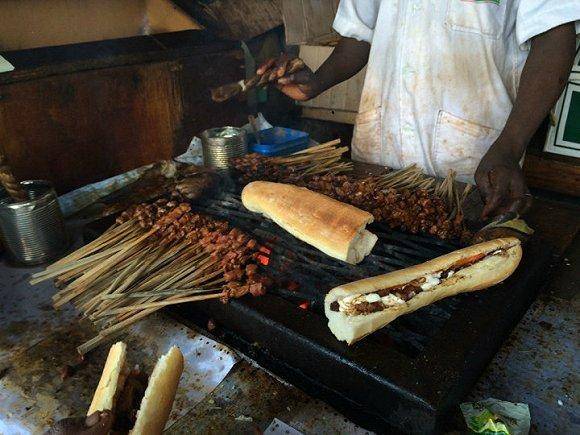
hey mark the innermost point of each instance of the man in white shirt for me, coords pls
(450, 84)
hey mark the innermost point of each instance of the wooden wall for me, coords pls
(40, 23)
(76, 127)
(101, 119)
(163, 16)
(310, 21)
(235, 19)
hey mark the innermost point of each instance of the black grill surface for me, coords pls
(304, 274)
(409, 376)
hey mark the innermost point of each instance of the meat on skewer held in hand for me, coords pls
(227, 92)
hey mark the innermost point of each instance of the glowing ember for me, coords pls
(264, 261)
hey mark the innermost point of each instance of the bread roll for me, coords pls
(500, 258)
(158, 399)
(112, 379)
(337, 229)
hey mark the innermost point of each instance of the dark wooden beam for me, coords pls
(550, 172)
(234, 19)
(45, 61)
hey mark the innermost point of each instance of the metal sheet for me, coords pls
(37, 342)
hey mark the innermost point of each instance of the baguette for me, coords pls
(337, 229)
(112, 379)
(157, 400)
(360, 308)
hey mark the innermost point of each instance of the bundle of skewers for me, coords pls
(404, 199)
(326, 158)
(154, 256)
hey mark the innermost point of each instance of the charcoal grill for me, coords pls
(408, 376)
(303, 275)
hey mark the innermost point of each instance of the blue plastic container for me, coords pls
(279, 141)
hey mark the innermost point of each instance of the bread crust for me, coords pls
(159, 395)
(112, 379)
(483, 274)
(335, 228)
(158, 399)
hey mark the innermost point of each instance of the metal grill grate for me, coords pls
(304, 274)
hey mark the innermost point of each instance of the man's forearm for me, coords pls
(347, 58)
(544, 76)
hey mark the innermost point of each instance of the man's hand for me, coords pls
(499, 176)
(299, 86)
(501, 182)
(348, 57)
(98, 423)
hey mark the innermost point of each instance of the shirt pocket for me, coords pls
(367, 137)
(459, 145)
(481, 17)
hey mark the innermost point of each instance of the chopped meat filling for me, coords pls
(368, 307)
(129, 401)
(405, 292)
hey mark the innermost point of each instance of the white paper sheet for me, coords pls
(82, 197)
(278, 427)
(28, 322)
(206, 362)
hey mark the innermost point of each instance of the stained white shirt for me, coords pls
(442, 75)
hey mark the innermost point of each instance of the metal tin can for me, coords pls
(221, 144)
(33, 231)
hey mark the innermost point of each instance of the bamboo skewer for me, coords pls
(132, 319)
(78, 264)
(163, 281)
(325, 157)
(314, 149)
(130, 278)
(161, 293)
(197, 272)
(164, 286)
(194, 270)
(156, 295)
(114, 232)
(78, 286)
(113, 331)
(315, 157)
(75, 273)
(128, 273)
(166, 303)
(119, 284)
(163, 274)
